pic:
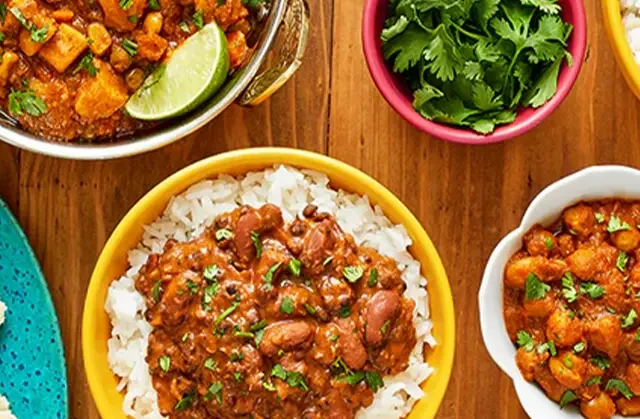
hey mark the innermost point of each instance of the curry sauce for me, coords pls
(571, 305)
(261, 318)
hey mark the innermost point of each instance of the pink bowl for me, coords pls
(398, 95)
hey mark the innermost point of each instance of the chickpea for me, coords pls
(134, 78)
(580, 219)
(119, 59)
(153, 23)
(100, 38)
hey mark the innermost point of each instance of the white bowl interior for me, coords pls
(594, 183)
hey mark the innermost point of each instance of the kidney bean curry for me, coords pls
(571, 305)
(261, 318)
(67, 67)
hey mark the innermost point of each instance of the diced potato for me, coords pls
(605, 334)
(568, 369)
(629, 407)
(28, 45)
(529, 362)
(101, 96)
(580, 219)
(153, 22)
(9, 59)
(564, 330)
(117, 18)
(601, 407)
(65, 46)
(226, 15)
(99, 37)
(62, 15)
(10, 24)
(546, 269)
(151, 46)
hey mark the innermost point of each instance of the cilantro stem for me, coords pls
(467, 33)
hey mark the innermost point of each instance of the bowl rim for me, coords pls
(175, 128)
(382, 78)
(620, 44)
(585, 184)
(258, 159)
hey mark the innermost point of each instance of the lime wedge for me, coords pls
(195, 71)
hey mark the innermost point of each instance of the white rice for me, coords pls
(3, 309)
(5, 412)
(188, 214)
(631, 23)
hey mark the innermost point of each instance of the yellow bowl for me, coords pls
(112, 264)
(619, 43)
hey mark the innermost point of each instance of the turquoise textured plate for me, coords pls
(32, 369)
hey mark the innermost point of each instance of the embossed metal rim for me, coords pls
(167, 134)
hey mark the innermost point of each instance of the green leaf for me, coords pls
(621, 262)
(525, 341)
(627, 321)
(396, 29)
(165, 363)
(568, 291)
(568, 397)
(374, 380)
(547, 6)
(473, 70)
(198, 19)
(406, 48)
(594, 290)
(424, 95)
(21, 101)
(443, 55)
(485, 10)
(353, 273)
(484, 98)
(621, 386)
(601, 362)
(255, 238)
(223, 234)
(268, 277)
(373, 278)
(534, 288)
(545, 87)
(295, 266)
(615, 224)
(287, 306)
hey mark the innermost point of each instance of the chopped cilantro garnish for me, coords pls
(600, 362)
(255, 238)
(224, 234)
(568, 291)
(258, 338)
(210, 364)
(156, 290)
(345, 311)
(86, 63)
(353, 273)
(621, 386)
(525, 341)
(594, 290)
(547, 346)
(534, 288)
(211, 272)
(327, 261)
(193, 288)
(548, 242)
(259, 325)
(215, 390)
(292, 378)
(310, 309)
(268, 277)
(384, 327)
(627, 321)
(578, 347)
(568, 397)
(373, 278)
(154, 5)
(287, 306)
(165, 363)
(185, 402)
(198, 19)
(130, 46)
(21, 101)
(295, 266)
(597, 380)
(599, 217)
(621, 262)
(226, 313)
(615, 224)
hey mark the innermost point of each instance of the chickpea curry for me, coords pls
(266, 319)
(571, 305)
(69, 66)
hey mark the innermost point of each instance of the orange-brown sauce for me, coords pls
(81, 106)
(572, 306)
(258, 318)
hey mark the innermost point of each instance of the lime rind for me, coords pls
(196, 70)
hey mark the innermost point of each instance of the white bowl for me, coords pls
(594, 183)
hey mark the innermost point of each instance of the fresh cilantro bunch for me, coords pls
(473, 62)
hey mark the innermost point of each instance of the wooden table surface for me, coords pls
(466, 197)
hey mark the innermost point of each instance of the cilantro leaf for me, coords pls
(621, 386)
(547, 6)
(407, 47)
(525, 341)
(534, 288)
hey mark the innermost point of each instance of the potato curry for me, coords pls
(68, 66)
(571, 305)
(263, 318)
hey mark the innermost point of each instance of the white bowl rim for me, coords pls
(592, 183)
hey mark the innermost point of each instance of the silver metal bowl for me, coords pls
(284, 34)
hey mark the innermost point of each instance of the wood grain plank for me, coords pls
(9, 175)
(68, 209)
(469, 197)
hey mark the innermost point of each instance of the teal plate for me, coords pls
(32, 369)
